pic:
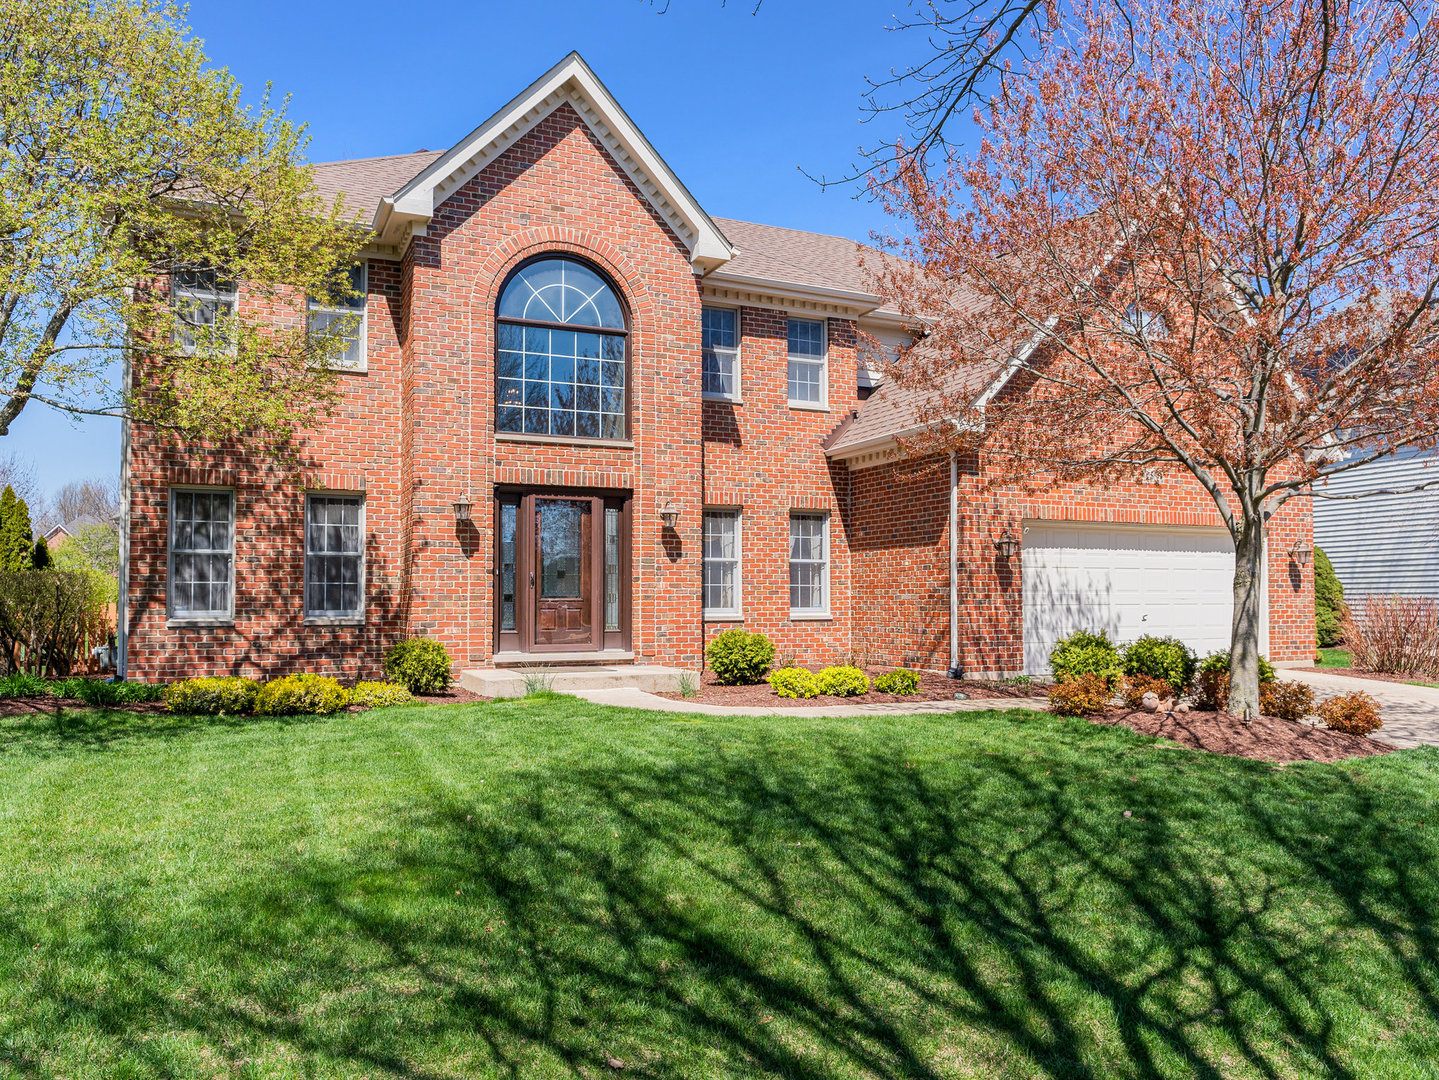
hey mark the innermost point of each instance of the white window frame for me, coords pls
(822, 612)
(206, 617)
(733, 353)
(312, 616)
(822, 405)
(313, 306)
(220, 298)
(735, 614)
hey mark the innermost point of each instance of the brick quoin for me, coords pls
(415, 432)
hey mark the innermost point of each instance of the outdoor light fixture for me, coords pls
(462, 508)
(669, 513)
(1301, 554)
(1007, 546)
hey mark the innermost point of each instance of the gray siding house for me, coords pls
(1383, 543)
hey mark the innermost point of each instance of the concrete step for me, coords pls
(516, 682)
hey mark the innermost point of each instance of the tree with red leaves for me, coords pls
(1193, 236)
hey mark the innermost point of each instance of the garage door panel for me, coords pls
(1127, 580)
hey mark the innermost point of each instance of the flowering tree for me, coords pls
(125, 158)
(1196, 236)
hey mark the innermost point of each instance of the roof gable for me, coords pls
(572, 81)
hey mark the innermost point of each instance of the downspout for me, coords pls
(122, 629)
(954, 669)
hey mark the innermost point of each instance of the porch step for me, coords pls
(510, 682)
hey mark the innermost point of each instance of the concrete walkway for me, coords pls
(626, 698)
(1410, 713)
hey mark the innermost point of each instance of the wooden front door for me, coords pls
(564, 591)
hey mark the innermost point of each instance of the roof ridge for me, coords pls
(377, 157)
(802, 232)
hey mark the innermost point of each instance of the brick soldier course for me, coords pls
(562, 172)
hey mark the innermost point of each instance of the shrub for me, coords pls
(1394, 635)
(301, 695)
(379, 695)
(1211, 690)
(1328, 601)
(1165, 658)
(420, 665)
(794, 682)
(1085, 653)
(225, 696)
(49, 618)
(1355, 713)
(1219, 661)
(21, 684)
(1286, 700)
(739, 658)
(102, 694)
(1080, 695)
(1136, 686)
(900, 681)
(843, 681)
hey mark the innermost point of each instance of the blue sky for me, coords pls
(736, 102)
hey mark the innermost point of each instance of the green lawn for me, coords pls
(1334, 658)
(527, 889)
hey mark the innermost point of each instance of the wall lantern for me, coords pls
(1007, 545)
(669, 513)
(462, 507)
(1301, 554)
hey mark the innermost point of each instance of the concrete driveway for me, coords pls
(1411, 713)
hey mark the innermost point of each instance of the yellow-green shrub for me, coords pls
(843, 681)
(301, 695)
(900, 681)
(216, 696)
(379, 695)
(794, 682)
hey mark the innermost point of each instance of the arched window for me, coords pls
(561, 360)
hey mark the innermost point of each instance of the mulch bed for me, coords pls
(932, 687)
(1265, 739)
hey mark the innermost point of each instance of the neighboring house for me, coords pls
(583, 420)
(1379, 532)
(57, 536)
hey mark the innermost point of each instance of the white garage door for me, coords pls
(1129, 580)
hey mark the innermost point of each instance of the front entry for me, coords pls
(562, 572)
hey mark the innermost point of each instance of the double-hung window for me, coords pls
(722, 563)
(809, 564)
(720, 341)
(807, 376)
(342, 316)
(203, 298)
(202, 553)
(334, 557)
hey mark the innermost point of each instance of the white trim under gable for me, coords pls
(572, 81)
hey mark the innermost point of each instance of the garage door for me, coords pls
(1129, 580)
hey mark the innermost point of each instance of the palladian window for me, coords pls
(562, 357)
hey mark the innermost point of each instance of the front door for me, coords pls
(564, 592)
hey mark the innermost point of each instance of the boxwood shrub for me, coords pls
(739, 658)
(1165, 658)
(1086, 653)
(301, 695)
(379, 695)
(794, 682)
(843, 681)
(420, 665)
(900, 681)
(220, 696)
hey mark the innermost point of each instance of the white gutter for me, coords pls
(954, 671)
(122, 629)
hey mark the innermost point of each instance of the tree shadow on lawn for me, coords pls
(739, 912)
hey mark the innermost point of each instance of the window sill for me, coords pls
(810, 616)
(182, 621)
(722, 399)
(809, 406)
(334, 620)
(564, 440)
(722, 616)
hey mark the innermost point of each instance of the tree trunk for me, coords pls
(1244, 634)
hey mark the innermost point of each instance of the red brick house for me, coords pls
(585, 421)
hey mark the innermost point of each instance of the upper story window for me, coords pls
(1144, 322)
(203, 298)
(562, 358)
(720, 342)
(808, 383)
(343, 315)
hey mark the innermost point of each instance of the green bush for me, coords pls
(1081, 695)
(1165, 658)
(1328, 601)
(900, 681)
(102, 694)
(223, 696)
(1219, 662)
(739, 658)
(379, 695)
(843, 681)
(420, 665)
(1086, 653)
(301, 695)
(794, 682)
(22, 684)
